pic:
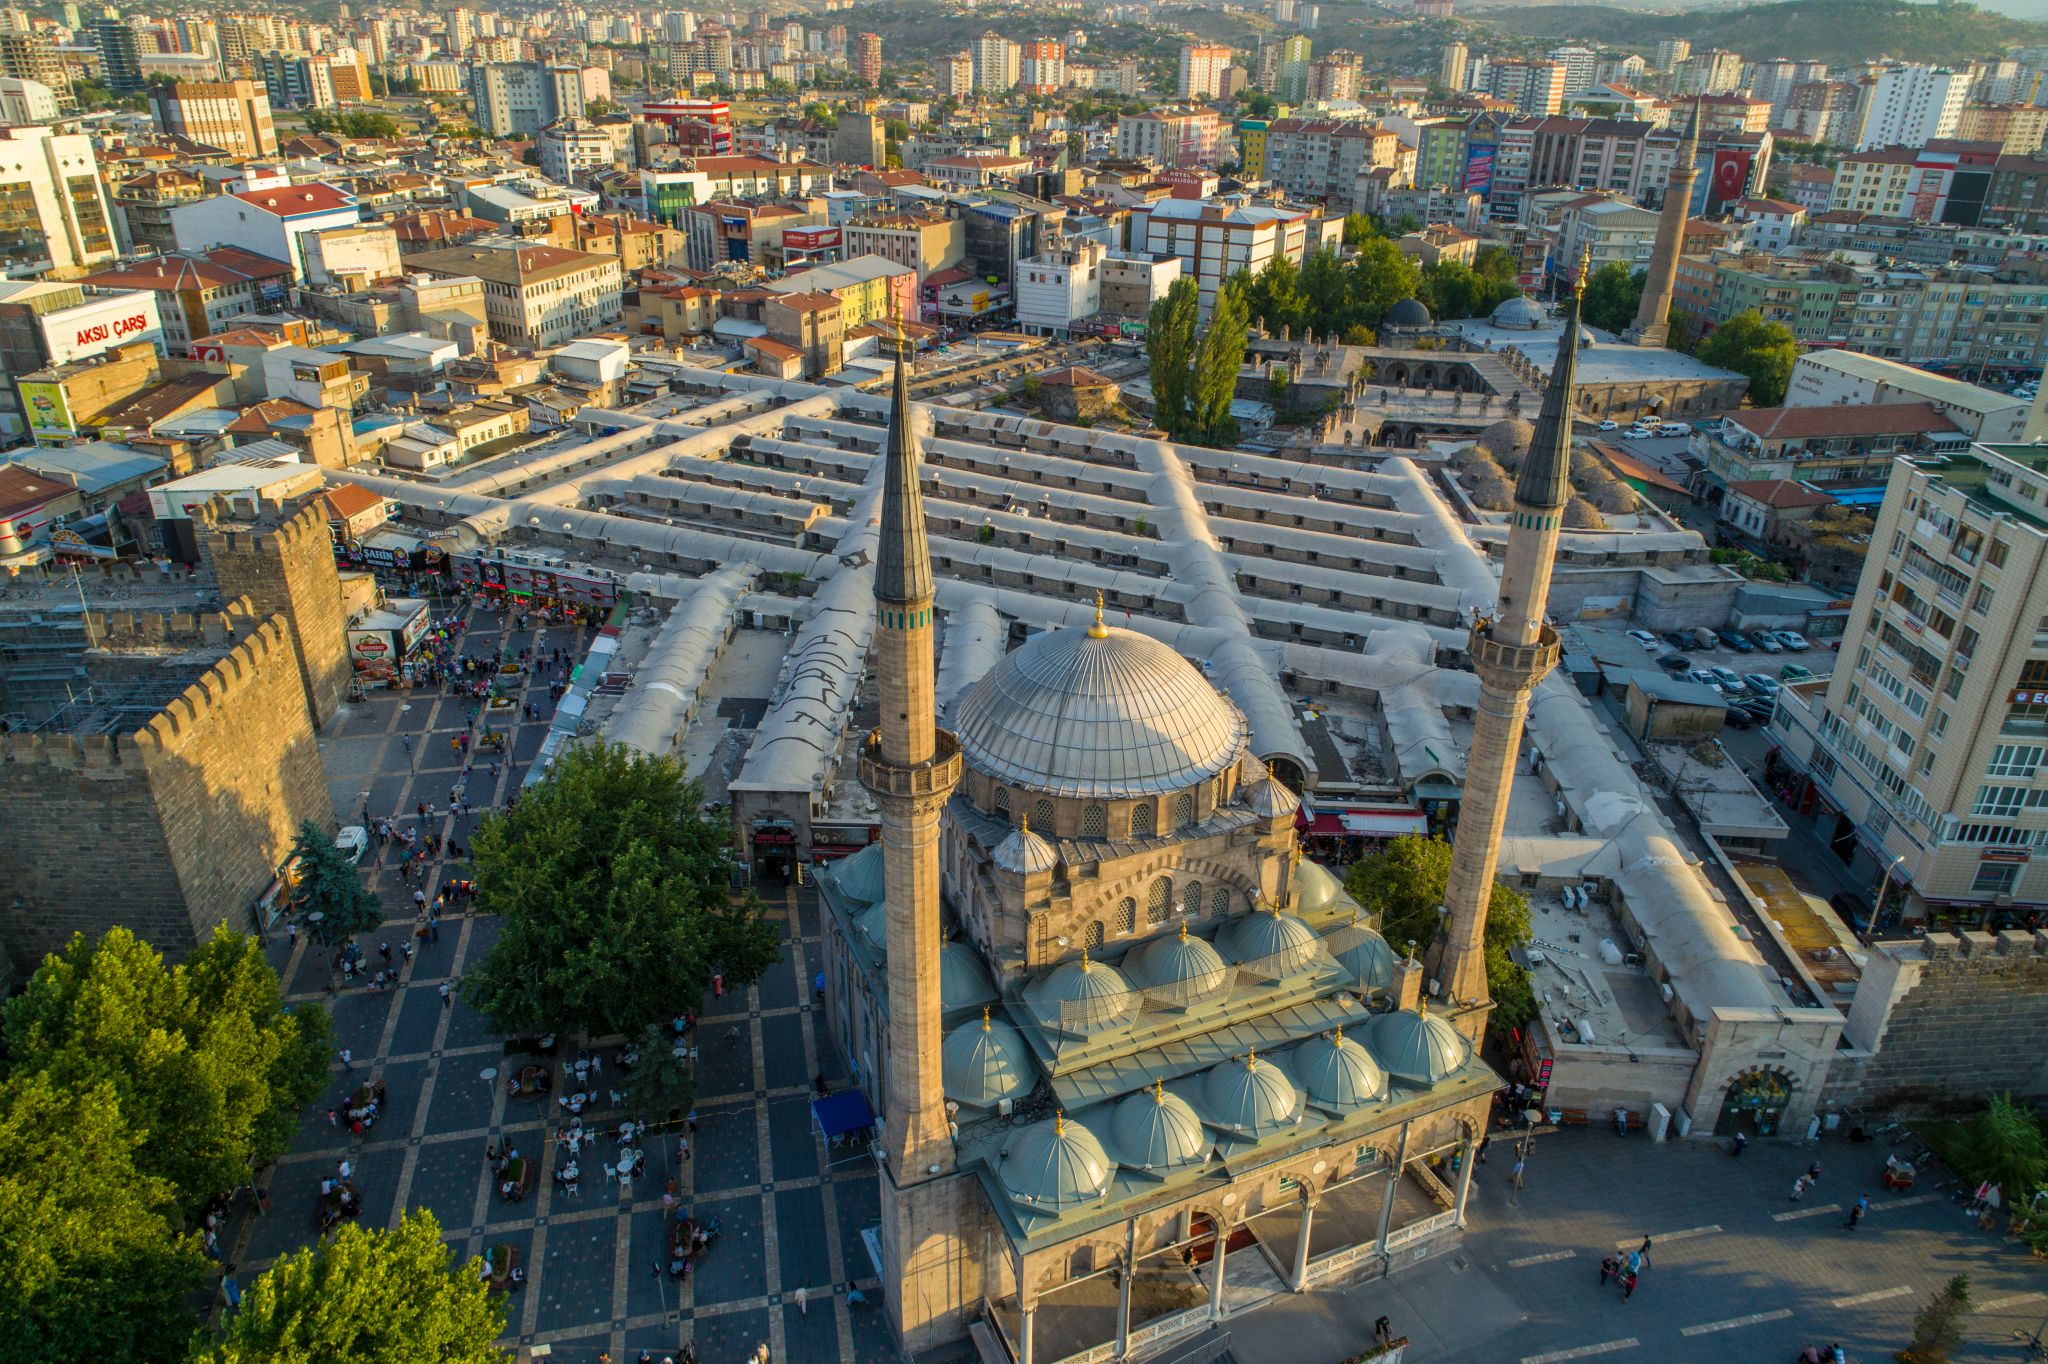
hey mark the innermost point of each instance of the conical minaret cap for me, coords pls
(903, 562)
(1545, 480)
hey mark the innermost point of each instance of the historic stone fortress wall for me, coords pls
(1946, 1020)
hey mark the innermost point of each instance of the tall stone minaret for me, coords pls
(1511, 652)
(1653, 314)
(910, 766)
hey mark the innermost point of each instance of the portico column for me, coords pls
(1308, 1217)
(1394, 1179)
(1123, 1295)
(1024, 1334)
(1216, 1284)
(1465, 1177)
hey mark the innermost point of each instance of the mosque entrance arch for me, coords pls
(1756, 1102)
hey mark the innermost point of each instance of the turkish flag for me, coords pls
(1731, 173)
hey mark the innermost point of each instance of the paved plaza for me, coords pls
(1738, 1273)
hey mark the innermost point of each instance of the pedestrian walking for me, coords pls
(291, 932)
(803, 1300)
(384, 948)
(1643, 1250)
(1813, 1172)
(1609, 1267)
(1515, 1172)
(1856, 1213)
(1383, 1334)
(1628, 1285)
(407, 740)
(1484, 1142)
(433, 928)
(1741, 1143)
(348, 1060)
(854, 1297)
(445, 995)
(1799, 1188)
(732, 1034)
(1635, 1262)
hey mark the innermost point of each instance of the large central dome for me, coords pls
(1099, 714)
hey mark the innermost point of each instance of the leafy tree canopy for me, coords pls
(89, 1248)
(2004, 1145)
(1451, 289)
(210, 1069)
(1938, 1327)
(1404, 884)
(330, 886)
(1170, 349)
(1613, 293)
(612, 884)
(1765, 351)
(368, 1295)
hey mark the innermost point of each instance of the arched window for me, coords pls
(1141, 819)
(1191, 897)
(1002, 804)
(1081, 1263)
(1183, 811)
(1126, 916)
(1219, 903)
(1159, 901)
(1091, 937)
(1094, 824)
(1041, 817)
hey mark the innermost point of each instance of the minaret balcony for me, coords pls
(1527, 663)
(937, 776)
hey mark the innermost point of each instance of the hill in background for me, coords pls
(1824, 30)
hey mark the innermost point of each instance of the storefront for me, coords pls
(395, 557)
(383, 644)
(1341, 834)
(533, 584)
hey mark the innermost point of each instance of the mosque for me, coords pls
(1139, 1065)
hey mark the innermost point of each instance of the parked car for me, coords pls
(353, 841)
(1675, 429)
(1703, 676)
(1761, 683)
(1703, 638)
(1735, 641)
(1677, 640)
(1739, 718)
(1609, 426)
(1792, 672)
(1765, 640)
(1644, 638)
(1854, 909)
(1678, 665)
(1763, 708)
(1730, 683)
(1792, 640)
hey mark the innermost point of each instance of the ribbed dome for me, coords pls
(1182, 969)
(1098, 995)
(1365, 954)
(984, 1062)
(873, 924)
(1520, 312)
(1420, 1048)
(962, 981)
(1024, 852)
(1251, 1097)
(1338, 1073)
(1272, 943)
(1409, 312)
(1268, 799)
(1315, 889)
(1054, 1166)
(859, 877)
(1098, 714)
(1157, 1131)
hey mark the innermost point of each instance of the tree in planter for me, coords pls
(330, 886)
(661, 1083)
(371, 1295)
(1404, 884)
(1938, 1327)
(210, 1068)
(612, 884)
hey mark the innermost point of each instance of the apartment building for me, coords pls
(1614, 231)
(1200, 75)
(1848, 444)
(926, 242)
(200, 293)
(54, 213)
(1336, 77)
(998, 63)
(1847, 378)
(1535, 87)
(534, 296)
(1716, 71)
(1928, 747)
(1042, 67)
(1216, 238)
(518, 99)
(1823, 111)
(1946, 180)
(1909, 105)
(142, 208)
(1322, 160)
(1184, 135)
(2018, 129)
(572, 149)
(1058, 287)
(270, 222)
(231, 115)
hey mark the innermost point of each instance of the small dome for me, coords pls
(1024, 852)
(1268, 799)
(1250, 1097)
(962, 982)
(1521, 313)
(1409, 312)
(859, 877)
(872, 923)
(1090, 995)
(1272, 943)
(984, 1062)
(1181, 969)
(1315, 888)
(1157, 1131)
(1507, 439)
(1338, 1073)
(1421, 1048)
(1365, 954)
(1054, 1166)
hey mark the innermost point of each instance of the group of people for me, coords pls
(1625, 1269)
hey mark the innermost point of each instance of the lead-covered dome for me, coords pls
(1418, 1047)
(1157, 1131)
(1268, 799)
(1521, 313)
(1054, 1166)
(1252, 1098)
(1315, 889)
(1272, 943)
(859, 877)
(1180, 970)
(962, 981)
(1088, 994)
(1409, 312)
(1338, 1073)
(1024, 852)
(984, 1063)
(1097, 714)
(1365, 954)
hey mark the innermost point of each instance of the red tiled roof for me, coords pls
(1844, 420)
(348, 499)
(314, 198)
(1781, 493)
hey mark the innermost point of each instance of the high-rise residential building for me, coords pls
(120, 55)
(54, 213)
(519, 99)
(1670, 52)
(1451, 69)
(2018, 129)
(1201, 71)
(1536, 87)
(679, 26)
(295, 80)
(1042, 67)
(1713, 72)
(1336, 76)
(231, 115)
(26, 57)
(956, 75)
(1290, 73)
(1909, 106)
(997, 63)
(1581, 66)
(867, 58)
(461, 30)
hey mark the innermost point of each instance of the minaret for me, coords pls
(1511, 652)
(910, 766)
(1653, 314)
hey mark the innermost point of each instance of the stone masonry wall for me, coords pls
(1970, 1025)
(286, 567)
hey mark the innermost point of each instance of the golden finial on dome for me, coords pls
(1251, 1058)
(984, 1018)
(1585, 263)
(1084, 956)
(1059, 1124)
(1158, 1091)
(1183, 930)
(1336, 1038)
(1098, 630)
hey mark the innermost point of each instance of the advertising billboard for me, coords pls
(48, 411)
(100, 324)
(1479, 158)
(810, 238)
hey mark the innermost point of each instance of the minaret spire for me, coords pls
(1660, 282)
(903, 561)
(1511, 652)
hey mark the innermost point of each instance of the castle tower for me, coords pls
(285, 566)
(1511, 652)
(1653, 314)
(910, 766)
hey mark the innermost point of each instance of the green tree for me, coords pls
(331, 887)
(1278, 380)
(210, 1067)
(1938, 1327)
(1404, 884)
(368, 1295)
(613, 888)
(1358, 229)
(1612, 296)
(1377, 278)
(89, 1248)
(1765, 351)
(662, 1083)
(1496, 264)
(2003, 1145)
(1258, 104)
(599, 107)
(1217, 362)
(822, 113)
(1170, 349)
(1358, 334)
(1274, 296)
(1326, 287)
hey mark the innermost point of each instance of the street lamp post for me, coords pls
(1870, 924)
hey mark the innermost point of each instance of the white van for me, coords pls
(1675, 429)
